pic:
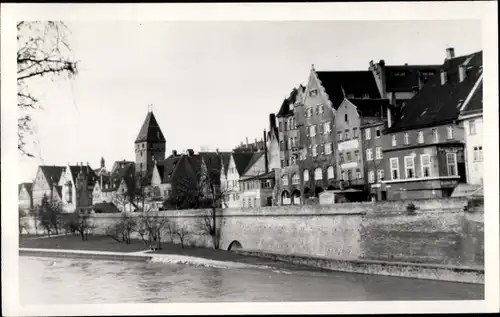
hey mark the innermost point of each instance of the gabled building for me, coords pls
(359, 155)
(25, 194)
(471, 119)
(118, 188)
(241, 164)
(257, 191)
(77, 183)
(424, 144)
(46, 183)
(272, 144)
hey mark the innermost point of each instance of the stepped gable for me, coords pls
(436, 103)
(356, 83)
(150, 131)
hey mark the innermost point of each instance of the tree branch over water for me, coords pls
(42, 53)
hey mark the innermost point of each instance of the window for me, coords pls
(285, 125)
(425, 162)
(409, 167)
(349, 175)
(346, 133)
(309, 112)
(394, 168)
(244, 202)
(472, 127)
(354, 132)
(339, 136)
(314, 150)
(435, 135)
(420, 137)
(328, 148)
(380, 175)
(368, 134)
(451, 162)
(356, 155)
(406, 138)
(249, 202)
(371, 176)
(313, 92)
(378, 153)
(321, 109)
(326, 128)
(330, 172)
(318, 174)
(341, 158)
(312, 130)
(348, 157)
(282, 163)
(306, 175)
(394, 142)
(346, 119)
(284, 180)
(369, 155)
(449, 132)
(377, 133)
(287, 162)
(478, 154)
(358, 173)
(295, 179)
(255, 202)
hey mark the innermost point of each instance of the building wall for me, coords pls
(41, 187)
(440, 232)
(259, 167)
(232, 185)
(273, 149)
(146, 153)
(377, 163)
(348, 146)
(25, 200)
(475, 172)
(69, 204)
(321, 160)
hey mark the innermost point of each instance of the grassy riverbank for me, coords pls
(103, 243)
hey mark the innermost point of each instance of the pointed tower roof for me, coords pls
(150, 130)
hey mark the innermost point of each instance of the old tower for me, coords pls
(149, 144)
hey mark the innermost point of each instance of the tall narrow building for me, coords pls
(149, 145)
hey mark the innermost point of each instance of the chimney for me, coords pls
(190, 152)
(174, 152)
(381, 63)
(266, 160)
(443, 77)
(462, 72)
(420, 80)
(272, 121)
(392, 101)
(450, 53)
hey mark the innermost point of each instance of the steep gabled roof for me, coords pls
(27, 186)
(255, 157)
(52, 173)
(166, 168)
(150, 131)
(370, 107)
(123, 170)
(357, 83)
(226, 158)
(402, 78)
(439, 104)
(241, 160)
(76, 169)
(285, 105)
(475, 103)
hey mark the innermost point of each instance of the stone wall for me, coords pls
(439, 232)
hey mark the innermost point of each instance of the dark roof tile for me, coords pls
(52, 173)
(150, 131)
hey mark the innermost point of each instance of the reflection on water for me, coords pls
(81, 281)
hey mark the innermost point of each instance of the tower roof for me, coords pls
(150, 131)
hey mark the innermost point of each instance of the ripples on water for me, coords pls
(81, 281)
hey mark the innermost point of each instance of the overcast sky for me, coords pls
(211, 84)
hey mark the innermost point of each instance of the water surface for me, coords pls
(82, 281)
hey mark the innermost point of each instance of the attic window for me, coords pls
(313, 92)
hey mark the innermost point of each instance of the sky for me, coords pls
(211, 84)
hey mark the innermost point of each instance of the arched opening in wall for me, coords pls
(285, 198)
(307, 192)
(317, 191)
(235, 245)
(330, 187)
(296, 197)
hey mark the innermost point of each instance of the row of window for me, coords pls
(346, 135)
(320, 109)
(322, 128)
(420, 136)
(318, 175)
(249, 201)
(478, 153)
(256, 184)
(289, 124)
(425, 166)
(292, 143)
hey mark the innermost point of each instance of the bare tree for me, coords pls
(42, 52)
(122, 230)
(49, 214)
(23, 223)
(84, 225)
(180, 231)
(33, 213)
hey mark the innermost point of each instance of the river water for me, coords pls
(80, 281)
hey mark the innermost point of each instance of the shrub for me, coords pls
(410, 208)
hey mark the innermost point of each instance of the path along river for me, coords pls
(83, 281)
